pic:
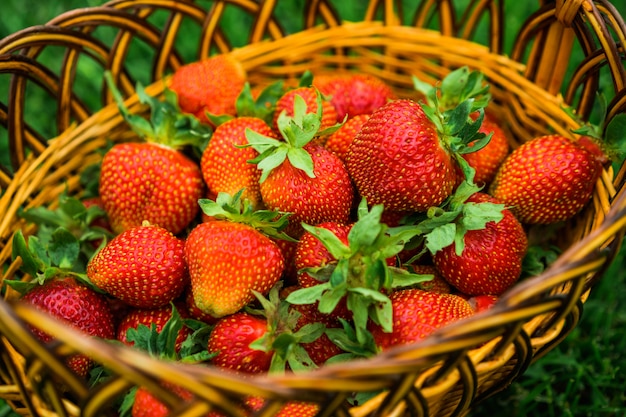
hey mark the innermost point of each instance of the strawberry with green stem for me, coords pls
(234, 250)
(406, 154)
(153, 180)
(300, 176)
(361, 274)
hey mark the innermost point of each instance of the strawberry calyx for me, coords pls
(168, 126)
(235, 209)
(360, 273)
(297, 131)
(456, 107)
(447, 224)
(280, 337)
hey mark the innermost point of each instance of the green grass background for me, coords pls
(584, 376)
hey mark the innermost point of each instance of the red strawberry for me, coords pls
(482, 302)
(354, 94)
(299, 409)
(230, 343)
(148, 317)
(310, 95)
(417, 314)
(299, 176)
(397, 159)
(77, 305)
(145, 181)
(153, 180)
(148, 405)
(438, 284)
(487, 160)
(405, 157)
(224, 163)
(491, 259)
(339, 142)
(143, 266)
(211, 85)
(549, 179)
(217, 251)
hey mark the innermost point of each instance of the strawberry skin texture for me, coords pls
(143, 266)
(309, 94)
(339, 141)
(327, 197)
(146, 181)
(491, 261)
(77, 305)
(417, 314)
(396, 159)
(226, 255)
(148, 405)
(210, 85)
(230, 342)
(548, 179)
(225, 166)
(354, 94)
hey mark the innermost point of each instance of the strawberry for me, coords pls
(224, 163)
(233, 245)
(438, 284)
(299, 409)
(299, 176)
(147, 404)
(483, 302)
(339, 142)
(490, 260)
(230, 342)
(417, 314)
(549, 178)
(487, 160)
(153, 180)
(405, 156)
(149, 317)
(143, 266)
(354, 94)
(79, 306)
(355, 274)
(210, 85)
(285, 104)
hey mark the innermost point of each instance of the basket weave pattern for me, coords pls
(442, 376)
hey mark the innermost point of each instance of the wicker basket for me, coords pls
(562, 53)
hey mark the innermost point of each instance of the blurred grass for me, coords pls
(584, 376)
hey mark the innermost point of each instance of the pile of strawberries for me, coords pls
(280, 228)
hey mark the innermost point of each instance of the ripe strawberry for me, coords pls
(211, 85)
(549, 178)
(491, 259)
(299, 409)
(148, 317)
(397, 159)
(417, 314)
(224, 163)
(153, 180)
(230, 343)
(77, 305)
(144, 181)
(487, 160)
(148, 405)
(233, 245)
(482, 302)
(285, 104)
(354, 94)
(143, 266)
(405, 156)
(299, 176)
(339, 142)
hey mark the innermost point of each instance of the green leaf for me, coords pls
(457, 118)
(475, 216)
(30, 264)
(308, 295)
(270, 161)
(440, 237)
(331, 242)
(64, 249)
(329, 299)
(302, 160)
